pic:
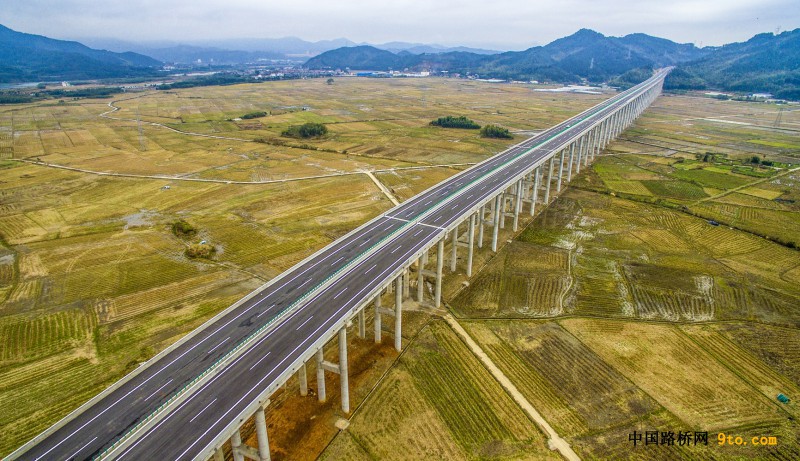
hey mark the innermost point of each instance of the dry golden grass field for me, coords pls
(618, 308)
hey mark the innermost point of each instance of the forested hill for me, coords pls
(765, 63)
(28, 57)
(585, 54)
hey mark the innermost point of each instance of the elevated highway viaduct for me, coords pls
(188, 400)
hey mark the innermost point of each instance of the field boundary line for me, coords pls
(555, 442)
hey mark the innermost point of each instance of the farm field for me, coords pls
(93, 281)
(616, 309)
(372, 125)
(439, 402)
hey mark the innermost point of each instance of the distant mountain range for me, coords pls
(27, 57)
(765, 63)
(585, 54)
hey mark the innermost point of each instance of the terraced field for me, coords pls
(630, 259)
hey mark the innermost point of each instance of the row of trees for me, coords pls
(455, 122)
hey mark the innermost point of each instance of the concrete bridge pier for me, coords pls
(589, 136)
(481, 222)
(302, 378)
(560, 170)
(398, 314)
(420, 278)
(579, 149)
(241, 450)
(377, 326)
(537, 175)
(496, 222)
(406, 283)
(261, 435)
(439, 266)
(362, 324)
(454, 249)
(571, 161)
(237, 446)
(518, 204)
(502, 215)
(470, 244)
(340, 368)
(547, 183)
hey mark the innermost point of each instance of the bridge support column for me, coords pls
(340, 368)
(406, 284)
(261, 434)
(343, 376)
(378, 319)
(537, 174)
(588, 137)
(398, 315)
(496, 222)
(362, 324)
(420, 279)
(578, 160)
(547, 183)
(571, 161)
(560, 170)
(219, 455)
(518, 204)
(302, 377)
(439, 266)
(236, 446)
(471, 244)
(454, 249)
(502, 214)
(320, 376)
(481, 222)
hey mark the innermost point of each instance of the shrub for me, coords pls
(493, 131)
(200, 250)
(182, 228)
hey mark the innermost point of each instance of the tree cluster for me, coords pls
(306, 130)
(252, 115)
(455, 122)
(494, 131)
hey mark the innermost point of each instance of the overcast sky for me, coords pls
(496, 24)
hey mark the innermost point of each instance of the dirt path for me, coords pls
(555, 442)
(228, 181)
(383, 188)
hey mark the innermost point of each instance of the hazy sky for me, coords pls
(498, 24)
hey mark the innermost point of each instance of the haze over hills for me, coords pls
(27, 57)
(240, 51)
